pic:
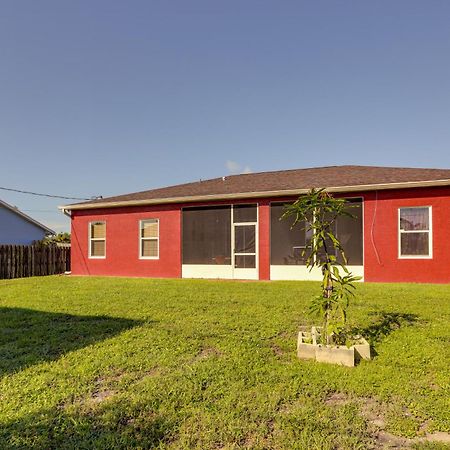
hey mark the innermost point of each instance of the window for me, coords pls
(415, 232)
(97, 239)
(149, 239)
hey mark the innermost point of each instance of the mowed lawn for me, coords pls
(140, 363)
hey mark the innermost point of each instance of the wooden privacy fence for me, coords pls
(17, 261)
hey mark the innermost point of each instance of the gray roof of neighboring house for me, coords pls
(277, 183)
(17, 211)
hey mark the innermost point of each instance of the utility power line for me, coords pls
(47, 195)
(41, 211)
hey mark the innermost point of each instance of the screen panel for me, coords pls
(245, 261)
(245, 213)
(349, 231)
(286, 243)
(244, 239)
(207, 235)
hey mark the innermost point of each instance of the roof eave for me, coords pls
(242, 195)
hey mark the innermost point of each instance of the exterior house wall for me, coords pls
(14, 229)
(381, 259)
(380, 224)
(122, 242)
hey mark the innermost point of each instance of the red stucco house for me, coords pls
(229, 227)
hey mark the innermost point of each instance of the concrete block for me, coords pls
(344, 356)
(362, 349)
(307, 348)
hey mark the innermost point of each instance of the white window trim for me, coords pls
(95, 239)
(147, 239)
(429, 231)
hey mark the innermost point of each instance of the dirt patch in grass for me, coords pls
(100, 396)
(277, 350)
(373, 411)
(437, 436)
(154, 372)
(337, 399)
(109, 378)
(205, 353)
(376, 413)
(280, 343)
(259, 440)
(89, 402)
(384, 439)
(111, 381)
(103, 389)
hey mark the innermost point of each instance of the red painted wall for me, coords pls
(264, 239)
(381, 261)
(122, 242)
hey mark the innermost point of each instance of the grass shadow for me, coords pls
(384, 324)
(28, 336)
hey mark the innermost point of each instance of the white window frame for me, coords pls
(429, 231)
(152, 219)
(91, 256)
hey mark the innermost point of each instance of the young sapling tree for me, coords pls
(318, 212)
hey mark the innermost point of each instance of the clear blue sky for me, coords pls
(110, 97)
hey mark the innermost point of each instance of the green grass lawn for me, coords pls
(138, 363)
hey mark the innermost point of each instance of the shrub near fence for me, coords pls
(17, 261)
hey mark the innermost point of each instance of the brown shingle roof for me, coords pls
(333, 177)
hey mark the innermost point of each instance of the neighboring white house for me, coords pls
(17, 227)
